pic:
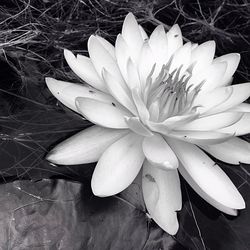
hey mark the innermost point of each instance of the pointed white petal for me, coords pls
(83, 67)
(140, 105)
(200, 191)
(66, 92)
(84, 147)
(154, 111)
(181, 58)
(132, 35)
(118, 92)
(200, 137)
(174, 38)
(212, 122)
(159, 44)
(162, 196)
(243, 107)
(133, 80)
(232, 61)
(135, 125)
(122, 55)
(232, 151)
(146, 63)
(240, 92)
(159, 153)
(202, 56)
(102, 113)
(118, 166)
(222, 99)
(239, 128)
(101, 58)
(198, 168)
(107, 45)
(171, 123)
(211, 76)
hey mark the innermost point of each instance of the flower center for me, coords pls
(168, 99)
(171, 93)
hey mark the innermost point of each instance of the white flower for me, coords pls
(157, 103)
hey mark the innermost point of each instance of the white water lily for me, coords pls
(157, 103)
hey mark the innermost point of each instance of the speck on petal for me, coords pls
(118, 166)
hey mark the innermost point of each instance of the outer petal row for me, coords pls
(206, 177)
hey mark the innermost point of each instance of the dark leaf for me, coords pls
(58, 214)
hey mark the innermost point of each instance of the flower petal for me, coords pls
(198, 168)
(66, 92)
(211, 76)
(202, 56)
(174, 38)
(135, 125)
(199, 190)
(132, 35)
(84, 147)
(118, 92)
(223, 98)
(140, 105)
(162, 196)
(122, 55)
(232, 151)
(239, 128)
(243, 107)
(83, 67)
(158, 152)
(199, 137)
(118, 166)
(107, 45)
(232, 61)
(102, 113)
(133, 80)
(101, 58)
(146, 63)
(159, 44)
(212, 122)
(181, 58)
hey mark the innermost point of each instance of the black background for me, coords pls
(64, 214)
